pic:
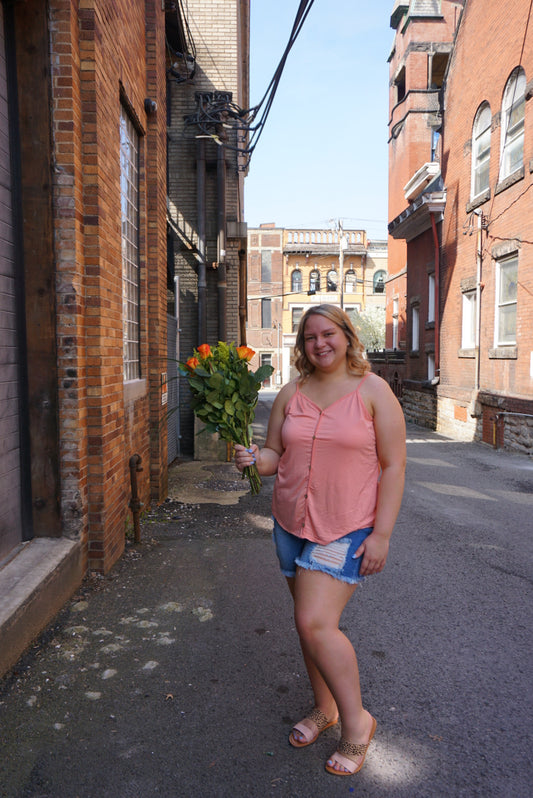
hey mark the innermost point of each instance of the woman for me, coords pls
(336, 440)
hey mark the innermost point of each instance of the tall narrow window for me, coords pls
(266, 313)
(481, 150)
(395, 323)
(378, 281)
(296, 280)
(332, 280)
(266, 266)
(468, 327)
(512, 128)
(314, 280)
(350, 282)
(506, 300)
(431, 297)
(415, 328)
(129, 192)
(297, 314)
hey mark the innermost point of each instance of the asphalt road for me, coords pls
(179, 674)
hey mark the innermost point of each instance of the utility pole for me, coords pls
(342, 247)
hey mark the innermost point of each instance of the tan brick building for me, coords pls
(291, 270)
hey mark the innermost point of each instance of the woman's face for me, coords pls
(325, 343)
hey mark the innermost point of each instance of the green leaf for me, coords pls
(263, 372)
(228, 407)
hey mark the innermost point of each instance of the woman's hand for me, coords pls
(374, 551)
(245, 457)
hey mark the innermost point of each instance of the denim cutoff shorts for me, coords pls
(336, 559)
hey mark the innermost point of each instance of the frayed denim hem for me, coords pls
(350, 580)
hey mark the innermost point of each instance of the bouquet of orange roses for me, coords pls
(225, 393)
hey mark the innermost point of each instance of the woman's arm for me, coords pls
(267, 459)
(389, 425)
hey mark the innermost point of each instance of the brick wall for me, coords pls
(105, 54)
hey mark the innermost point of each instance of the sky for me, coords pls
(322, 154)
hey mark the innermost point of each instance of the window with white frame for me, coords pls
(431, 297)
(506, 301)
(129, 196)
(481, 150)
(415, 328)
(296, 315)
(296, 280)
(431, 367)
(314, 280)
(350, 282)
(332, 280)
(266, 313)
(468, 325)
(378, 281)
(512, 124)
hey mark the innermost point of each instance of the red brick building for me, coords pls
(461, 143)
(83, 271)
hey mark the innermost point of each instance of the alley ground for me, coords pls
(179, 674)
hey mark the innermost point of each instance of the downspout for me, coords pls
(243, 282)
(475, 408)
(221, 217)
(202, 277)
(437, 295)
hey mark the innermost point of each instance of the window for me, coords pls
(468, 329)
(431, 367)
(129, 206)
(266, 266)
(297, 314)
(266, 313)
(481, 150)
(378, 281)
(314, 280)
(431, 298)
(266, 360)
(399, 83)
(350, 282)
(296, 280)
(415, 328)
(395, 313)
(332, 280)
(506, 276)
(512, 130)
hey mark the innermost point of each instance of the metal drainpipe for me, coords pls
(243, 279)
(437, 292)
(479, 267)
(135, 504)
(221, 216)
(202, 279)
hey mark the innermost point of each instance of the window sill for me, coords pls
(133, 390)
(504, 353)
(509, 181)
(414, 353)
(475, 202)
(429, 325)
(471, 353)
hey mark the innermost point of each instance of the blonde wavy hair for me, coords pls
(357, 364)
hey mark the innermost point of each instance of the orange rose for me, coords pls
(245, 353)
(192, 363)
(204, 350)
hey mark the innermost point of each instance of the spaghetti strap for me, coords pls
(362, 381)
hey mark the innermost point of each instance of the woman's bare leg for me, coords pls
(319, 601)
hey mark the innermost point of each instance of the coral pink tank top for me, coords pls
(328, 474)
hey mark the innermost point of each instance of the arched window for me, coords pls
(314, 280)
(481, 150)
(512, 128)
(350, 282)
(332, 280)
(379, 281)
(296, 280)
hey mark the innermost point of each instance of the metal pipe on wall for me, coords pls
(201, 213)
(221, 218)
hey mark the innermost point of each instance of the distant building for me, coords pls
(459, 303)
(290, 270)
